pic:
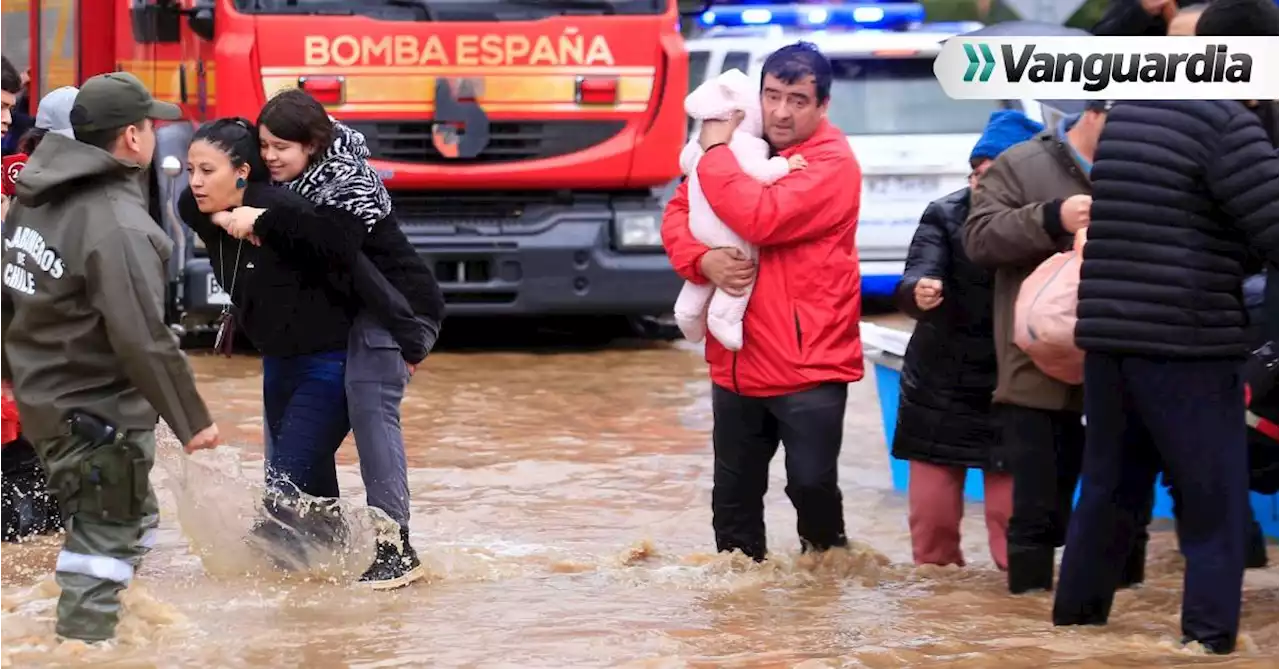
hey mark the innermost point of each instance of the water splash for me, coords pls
(222, 511)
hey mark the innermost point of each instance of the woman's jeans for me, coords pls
(306, 420)
(375, 382)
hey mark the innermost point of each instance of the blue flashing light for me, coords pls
(870, 15)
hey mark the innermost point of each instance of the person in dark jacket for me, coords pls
(1185, 193)
(327, 162)
(10, 89)
(289, 274)
(944, 419)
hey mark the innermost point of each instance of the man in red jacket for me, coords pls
(801, 347)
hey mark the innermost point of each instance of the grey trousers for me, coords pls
(375, 380)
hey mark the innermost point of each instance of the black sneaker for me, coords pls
(394, 566)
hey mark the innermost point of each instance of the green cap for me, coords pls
(115, 100)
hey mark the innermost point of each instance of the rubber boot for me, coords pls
(1030, 568)
(1256, 549)
(1135, 567)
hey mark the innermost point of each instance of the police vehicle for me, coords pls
(911, 140)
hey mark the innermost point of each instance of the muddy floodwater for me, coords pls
(562, 503)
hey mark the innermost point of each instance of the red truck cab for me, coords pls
(522, 141)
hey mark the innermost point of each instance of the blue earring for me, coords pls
(240, 183)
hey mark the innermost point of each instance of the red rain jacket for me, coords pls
(801, 326)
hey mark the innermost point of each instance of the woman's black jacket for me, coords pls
(299, 291)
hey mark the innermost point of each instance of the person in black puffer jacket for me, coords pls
(1184, 202)
(944, 417)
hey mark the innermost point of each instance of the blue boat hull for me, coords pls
(1266, 508)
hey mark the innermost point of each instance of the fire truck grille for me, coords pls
(475, 207)
(509, 141)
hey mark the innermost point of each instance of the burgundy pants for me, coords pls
(935, 495)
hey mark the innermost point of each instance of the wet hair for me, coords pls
(238, 138)
(796, 61)
(10, 81)
(30, 140)
(294, 116)
(1239, 18)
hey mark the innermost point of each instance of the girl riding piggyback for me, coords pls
(703, 307)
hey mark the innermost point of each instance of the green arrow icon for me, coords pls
(988, 60)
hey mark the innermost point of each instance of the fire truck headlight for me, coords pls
(637, 230)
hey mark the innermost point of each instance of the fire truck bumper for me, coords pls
(571, 268)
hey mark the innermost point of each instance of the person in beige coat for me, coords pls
(1028, 206)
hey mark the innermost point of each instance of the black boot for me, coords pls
(1030, 568)
(28, 507)
(394, 566)
(1135, 567)
(12, 516)
(277, 533)
(1255, 554)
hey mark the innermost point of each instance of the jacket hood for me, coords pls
(59, 163)
(342, 178)
(347, 143)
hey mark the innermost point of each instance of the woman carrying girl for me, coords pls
(326, 162)
(289, 271)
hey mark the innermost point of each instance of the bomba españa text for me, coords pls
(467, 50)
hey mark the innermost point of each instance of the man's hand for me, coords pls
(204, 439)
(718, 132)
(1075, 212)
(797, 162)
(239, 222)
(928, 293)
(729, 269)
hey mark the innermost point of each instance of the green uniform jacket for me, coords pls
(84, 290)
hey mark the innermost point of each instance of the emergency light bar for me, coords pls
(871, 15)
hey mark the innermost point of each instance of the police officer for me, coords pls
(85, 343)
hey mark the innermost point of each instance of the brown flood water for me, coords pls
(562, 502)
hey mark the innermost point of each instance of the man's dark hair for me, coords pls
(1239, 18)
(238, 139)
(30, 140)
(103, 139)
(11, 82)
(796, 61)
(294, 116)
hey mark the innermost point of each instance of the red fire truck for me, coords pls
(522, 140)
